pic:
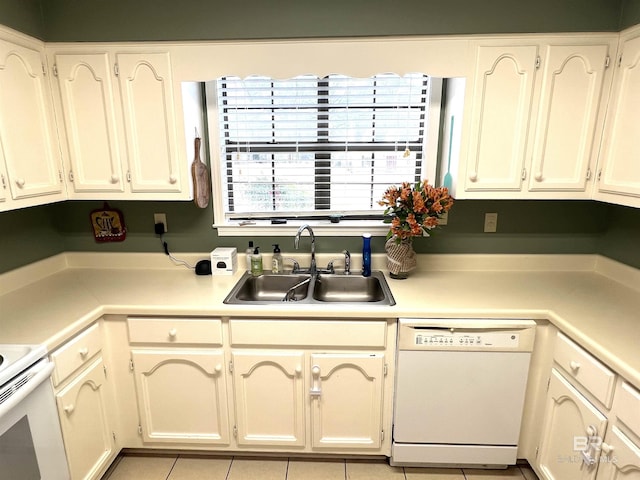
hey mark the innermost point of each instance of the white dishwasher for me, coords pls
(460, 388)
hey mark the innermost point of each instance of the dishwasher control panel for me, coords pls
(429, 339)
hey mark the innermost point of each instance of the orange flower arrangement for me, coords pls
(414, 210)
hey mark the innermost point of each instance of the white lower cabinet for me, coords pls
(592, 422)
(84, 399)
(346, 400)
(261, 385)
(340, 393)
(269, 398)
(88, 438)
(570, 422)
(312, 385)
(182, 396)
(180, 380)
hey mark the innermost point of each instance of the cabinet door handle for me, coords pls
(315, 391)
(172, 333)
(606, 448)
(20, 182)
(539, 177)
(83, 352)
(173, 179)
(218, 368)
(575, 366)
(69, 409)
(473, 177)
(114, 179)
(298, 370)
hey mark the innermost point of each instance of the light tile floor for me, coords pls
(192, 467)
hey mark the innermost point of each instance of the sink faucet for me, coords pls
(347, 262)
(296, 242)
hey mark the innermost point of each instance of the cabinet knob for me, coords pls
(69, 409)
(592, 431)
(575, 366)
(172, 333)
(114, 179)
(83, 352)
(539, 177)
(173, 179)
(218, 368)
(20, 182)
(606, 448)
(315, 371)
(473, 177)
(298, 369)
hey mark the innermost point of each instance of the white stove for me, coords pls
(31, 443)
(17, 358)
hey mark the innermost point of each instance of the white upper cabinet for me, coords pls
(150, 122)
(619, 172)
(535, 116)
(125, 131)
(564, 146)
(29, 148)
(502, 102)
(88, 107)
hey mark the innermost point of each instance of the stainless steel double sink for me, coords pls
(310, 289)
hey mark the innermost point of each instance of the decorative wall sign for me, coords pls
(108, 224)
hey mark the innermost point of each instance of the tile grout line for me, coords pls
(172, 467)
(229, 470)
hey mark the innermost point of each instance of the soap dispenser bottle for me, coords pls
(248, 253)
(256, 263)
(366, 254)
(276, 261)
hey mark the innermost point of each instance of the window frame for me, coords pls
(321, 226)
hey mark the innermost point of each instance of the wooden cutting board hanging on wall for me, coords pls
(201, 178)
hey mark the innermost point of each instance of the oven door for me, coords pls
(31, 445)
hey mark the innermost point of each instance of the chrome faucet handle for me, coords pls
(347, 262)
(296, 265)
(330, 268)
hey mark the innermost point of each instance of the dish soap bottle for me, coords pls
(366, 254)
(256, 263)
(276, 260)
(248, 253)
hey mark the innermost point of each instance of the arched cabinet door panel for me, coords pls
(146, 88)
(269, 397)
(502, 102)
(88, 102)
(346, 400)
(182, 395)
(28, 139)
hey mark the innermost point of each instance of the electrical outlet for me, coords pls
(490, 222)
(160, 218)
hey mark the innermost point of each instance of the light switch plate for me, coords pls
(490, 222)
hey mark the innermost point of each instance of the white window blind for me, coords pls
(312, 146)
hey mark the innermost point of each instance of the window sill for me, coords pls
(321, 228)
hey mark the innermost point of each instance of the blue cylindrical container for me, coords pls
(366, 254)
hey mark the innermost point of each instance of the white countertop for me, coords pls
(592, 299)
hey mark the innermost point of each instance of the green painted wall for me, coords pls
(101, 20)
(621, 239)
(31, 234)
(630, 13)
(28, 235)
(22, 15)
(524, 227)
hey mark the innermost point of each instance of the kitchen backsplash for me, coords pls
(532, 226)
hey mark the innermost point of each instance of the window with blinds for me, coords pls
(310, 146)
